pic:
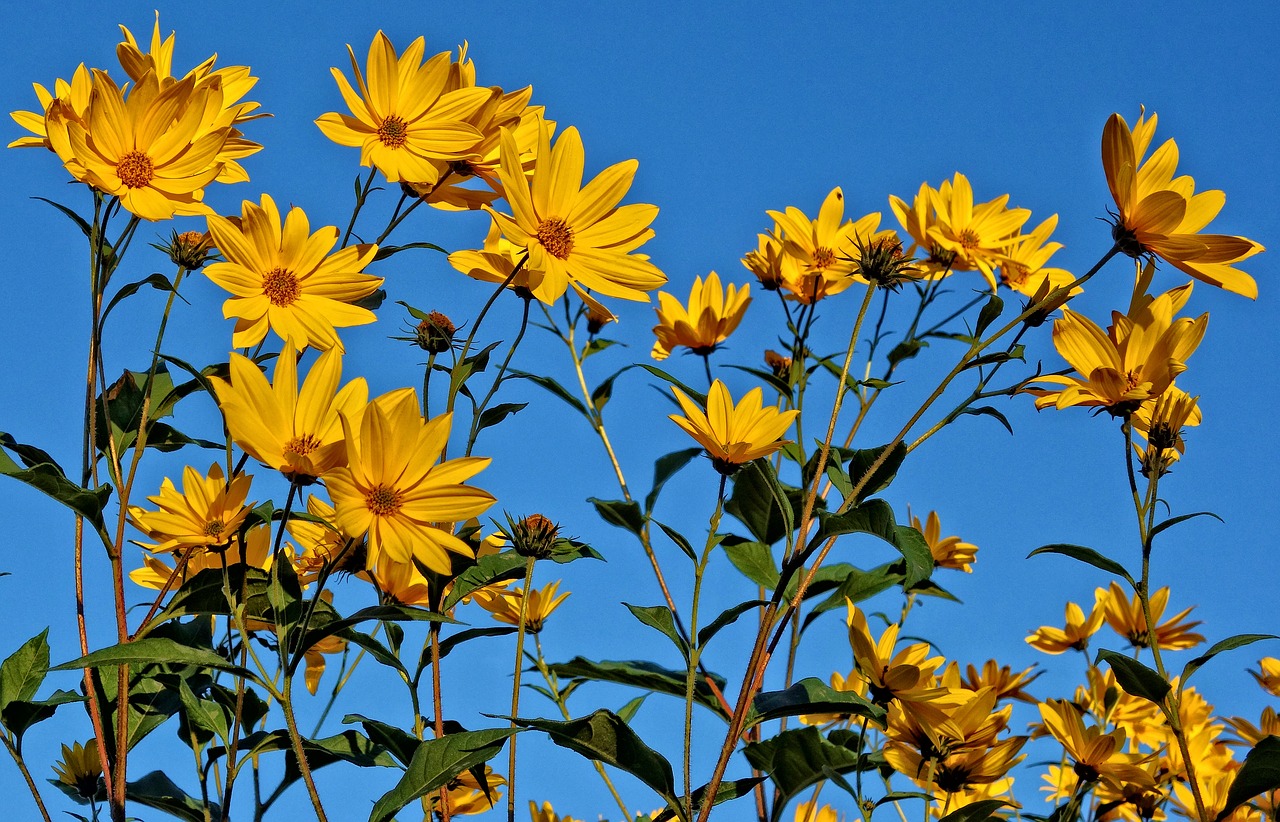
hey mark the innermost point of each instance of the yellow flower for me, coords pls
(853, 683)
(954, 739)
(282, 277)
(811, 812)
(394, 491)
(503, 604)
(766, 262)
(208, 512)
(1268, 675)
(73, 98)
(820, 257)
(1001, 679)
(949, 552)
(1097, 755)
(547, 814)
(1214, 789)
(711, 317)
(469, 795)
(404, 119)
(906, 675)
(150, 150)
(1160, 422)
(321, 542)
(294, 431)
(499, 261)
(1125, 617)
(80, 768)
(733, 434)
(254, 552)
(1162, 215)
(1075, 636)
(575, 235)
(974, 236)
(313, 658)
(1135, 360)
(1023, 263)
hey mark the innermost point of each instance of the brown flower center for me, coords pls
(302, 445)
(969, 239)
(556, 237)
(1014, 274)
(393, 131)
(135, 169)
(823, 257)
(214, 528)
(281, 287)
(382, 501)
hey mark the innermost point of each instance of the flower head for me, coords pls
(207, 512)
(80, 769)
(733, 434)
(1097, 755)
(711, 316)
(1075, 636)
(1124, 615)
(504, 604)
(905, 675)
(948, 552)
(974, 235)
(1024, 263)
(73, 98)
(393, 489)
(255, 551)
(821, 257)
(1268, 675)
(1159, 214)
(282, 277)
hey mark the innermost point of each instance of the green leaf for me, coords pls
(729, 789)
(766, 507)
(23, 671)
(74, 217)
(47, 476)
(567, 550)
(1169, 523)
(916, 554)
(204, 717)
(448, 644)
(435, 763)
(1228, 644)
(874, 517)
(155, 650)
(400, 743)
(555, 388)
(989, 314)
(385, 251)
(488, 570)
(861, 462)
(604, 737)
(679, 539)
(905, 350)
(156, 281)
(660, 618)
(628, 712)
(855, 585)
(498, 413)
(979, 811)
(727, 617)
(641, 674)
(1259, 774)
(754, 560)
(596, 345)
(769, 378)
(604, 391)
(285, 595)
(1136, 679)
(19, 715)
(796, 759)
(155, 790)
(693, 394)
(1087, 556)
(203, 595)
(988, 411)
(995, 358)
(811, 696)
(664, 469)
(622, 513)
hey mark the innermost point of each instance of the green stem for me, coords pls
(361, 195)
(695, 648)
(515, 688)
(497, 380)
(26, 775)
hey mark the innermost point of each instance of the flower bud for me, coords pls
(435, 334)
(534, 536)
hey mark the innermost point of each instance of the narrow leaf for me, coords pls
(1136, 679)
(1228, 644)
(664, 469)
(1087, 556)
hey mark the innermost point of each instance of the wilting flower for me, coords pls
(80, 769)
(393, 489)
(294, 431)
(1162, 215)
(1075, 636)
(150, 150)
(947, 552)
(208, 512)
(1097, 755)
(282, 277)
(575, 235)
(976, 236)
(733, 434)
(1135, 360)
(1023, 263)
(435, 333)
(403, 119)
(1124, 615)
(503, 604)
(1268, 675)
(711, 316)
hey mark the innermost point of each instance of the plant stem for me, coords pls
(695, 648)
(26, 775)
(515, 688)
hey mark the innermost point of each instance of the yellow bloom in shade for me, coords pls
(975, 234)
(254, 552)
(812, 812)
(1214, 788)
(1000, 678)
(947, 552)
(547, 814)
(905, 675)
(503, 604)
(80, 768)
(1023, 263)
(574, 235)
(733, 434)
(469, 795)
(282, 277)
(1075, 636)
(711, 316)
(1136, 359)
(150, 149)
(321, 542)
(1124, 615)
(73, 98)
(1162, 215)
(952, 743)
(403, 118)
(294, 431)
(208, 512)
(1268, 675)
(393, 491)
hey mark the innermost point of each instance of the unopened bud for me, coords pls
(435, 334)
(534, 536)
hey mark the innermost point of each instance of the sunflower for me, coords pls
(711, 316)
(1097, 755)
(1075, 636)
(280, 277)
(207, 512)
(905, 675)
(394, 491)
(1023, 263)
(949, 552)
(1125, 616)
(1162, 215)
(917, 219)
(973, 236)
(575, 235)
(503, 604)
(73, 100)
(821, 257)
(404, 120)
(81, 769)
(733, 434)
(255, 552)
(295, 432)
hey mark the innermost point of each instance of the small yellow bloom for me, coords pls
(947, 552)
(975, 236)
(503, 604)
(820, 257)
(208, 512)
(1268, 675)
(1124, 615)
(1160, 422)
(468, 795)
(282, 277)
(766, 262)
(1162, 215)
(294, 431)
(1001, 679)
(905, 675)
(394, 491)
(547, 814)
(733, 434)
(712, 315)
(1075, 636)
(1097, 755)
(81, 768)
(1023, 263)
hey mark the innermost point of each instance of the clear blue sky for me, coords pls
(732, 109)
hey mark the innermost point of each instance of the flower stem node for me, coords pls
(534, 536)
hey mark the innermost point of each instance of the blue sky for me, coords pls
(731, 109)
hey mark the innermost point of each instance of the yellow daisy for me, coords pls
(733, 434)
(975, 235)
(207, 512)
(711, 316)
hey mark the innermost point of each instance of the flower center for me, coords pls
(135, 169)
(556, 237)
(1014, 273)
(382, 501)
(302, 445)
(214, 528)
(280, 286)
(1132, 379)
(823, 257)
(393, 131)
(969, 239)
